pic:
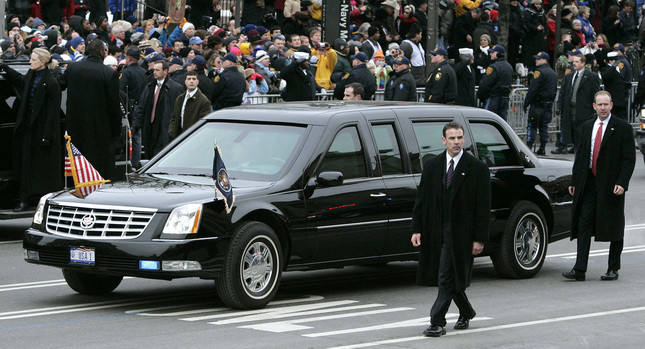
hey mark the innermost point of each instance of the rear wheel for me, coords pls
(524, 242)
(85, 283)
(252, 268)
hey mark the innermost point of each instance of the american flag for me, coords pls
(86, 178)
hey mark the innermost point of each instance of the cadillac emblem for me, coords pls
(87, 222)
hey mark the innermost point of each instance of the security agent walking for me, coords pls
(602, 169)
(575, 103)
(450, 224)
(495, 86)
(359, 73)
(615, 85)
(539, 101)
(230, 84)
(401, 86)
(441, 85)
(465, 78)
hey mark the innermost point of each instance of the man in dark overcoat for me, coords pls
(604, 164)
(93, 115)
(301, 83)
(37, 154)
(153, 114)
(576, 108)
(465, 78)
(230, 84)
(450, 224)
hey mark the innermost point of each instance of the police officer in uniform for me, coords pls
(230, 84)
(441, 86)
(626, 71)
(132, 81)
(401, 86)
(615, 85)
(465, 78)
(495, 86)
(539, 101)
(359, 73)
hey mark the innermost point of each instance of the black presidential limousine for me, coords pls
(317, 185)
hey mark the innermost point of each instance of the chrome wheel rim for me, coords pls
(257, 267)
(528, 241)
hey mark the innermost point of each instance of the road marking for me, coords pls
(495, 328)
(9, 242)
(289, 325)
(35, 284)
(424, 321)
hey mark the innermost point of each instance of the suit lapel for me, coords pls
(460, 173)
(609, 131)
(439, 173)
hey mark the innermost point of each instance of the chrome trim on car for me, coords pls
(104, 207)
(350, 224)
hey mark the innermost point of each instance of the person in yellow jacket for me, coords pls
(463, 6)
(326, 62)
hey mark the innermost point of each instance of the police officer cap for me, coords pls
(360, 56)
(497, 48)
(619, 47)
(175, 60)
(575, 52)
(154, 57)
(133, 51)
(541, 55)
(401, 60)
(230, 57)
(439, 51)
(199, 61)
(340, 44)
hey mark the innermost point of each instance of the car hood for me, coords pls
(163, 192)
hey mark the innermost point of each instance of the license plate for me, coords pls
(84, 255)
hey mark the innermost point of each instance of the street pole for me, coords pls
(2, 15)
(432, 32)
(558, 31)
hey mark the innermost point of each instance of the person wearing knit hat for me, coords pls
(187, 26)
(39, 24)
(77, 46)
(110, 61)
(371, 45)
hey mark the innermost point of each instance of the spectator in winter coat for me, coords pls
(587, 28)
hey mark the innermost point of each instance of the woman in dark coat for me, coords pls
(37, 152)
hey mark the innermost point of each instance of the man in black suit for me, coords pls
(575, 103)
(601, 172)
(450, 223)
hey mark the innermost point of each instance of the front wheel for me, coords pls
(85, 283)
(524, 242)
(252, 268)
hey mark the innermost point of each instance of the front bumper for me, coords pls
(122, 257)
(640, 140)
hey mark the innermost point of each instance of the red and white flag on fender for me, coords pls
(86, 178)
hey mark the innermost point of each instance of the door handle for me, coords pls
(379, 195)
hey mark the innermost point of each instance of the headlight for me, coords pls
(183, 220)
(40, 209)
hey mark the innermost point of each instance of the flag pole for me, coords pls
(64, 176)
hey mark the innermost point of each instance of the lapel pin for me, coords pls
(463, 174)
(612, 128)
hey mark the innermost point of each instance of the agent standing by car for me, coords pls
(602, 169)
(441, 85)
(93, 115)
(37, 154)
(401, 86)
(450, 223)
(495, 86)
(539, 101)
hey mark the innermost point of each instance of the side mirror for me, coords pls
(330, 179)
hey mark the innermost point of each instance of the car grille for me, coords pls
(98, 223)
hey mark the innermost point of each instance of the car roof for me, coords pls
(310, 112)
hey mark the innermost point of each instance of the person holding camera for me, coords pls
(539, 101)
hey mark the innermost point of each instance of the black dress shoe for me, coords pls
(571, 150)
(462, 323)
(610, 275)
(574, 275)
(560, 150)
(541, 151)
(434, 331)
(23, 206)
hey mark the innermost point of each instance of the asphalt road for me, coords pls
(343, 308)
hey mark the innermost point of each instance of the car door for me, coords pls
(347, 221)
(394, 166)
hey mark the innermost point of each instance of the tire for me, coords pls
(524, 242)
(252, 268)
(85, 283)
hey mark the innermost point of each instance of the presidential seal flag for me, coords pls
(220, 178)
(86, 178)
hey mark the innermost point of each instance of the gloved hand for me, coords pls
(257, 77)
(313, 60)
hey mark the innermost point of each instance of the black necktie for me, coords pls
(449, 173)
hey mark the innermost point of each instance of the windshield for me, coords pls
(253, 152)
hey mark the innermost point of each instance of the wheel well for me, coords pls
(277, 224)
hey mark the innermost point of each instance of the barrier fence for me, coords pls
(516, 116)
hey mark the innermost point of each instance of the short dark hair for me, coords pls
(191, 73)
(95, 48)
(358, 89)
(164, 65)
(453, 125)
(583, 59)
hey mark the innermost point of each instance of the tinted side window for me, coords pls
(492, 147)
(388, 149)
(346, 155)
(429, 136)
